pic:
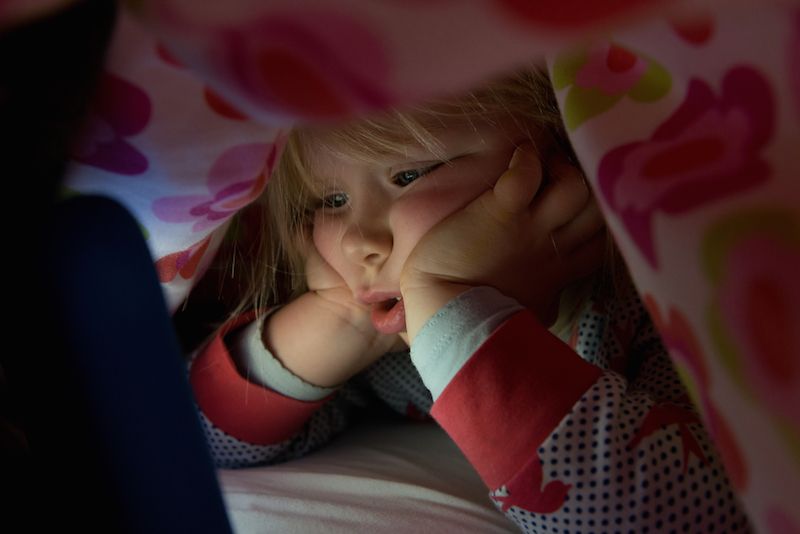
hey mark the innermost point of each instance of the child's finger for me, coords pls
(564, 196)
(581, 228)
(516, 188)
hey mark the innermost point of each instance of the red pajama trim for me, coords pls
(510, 395)
(242, 409)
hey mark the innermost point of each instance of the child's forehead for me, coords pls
(328, 151)
(327, 165)
(386, 137)
(398, 140)
(331, 154)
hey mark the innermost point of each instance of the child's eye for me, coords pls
(335, 200)
(404, 178)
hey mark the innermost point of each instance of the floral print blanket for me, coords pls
(685, 116)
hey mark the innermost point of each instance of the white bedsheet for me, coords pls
(404, 477)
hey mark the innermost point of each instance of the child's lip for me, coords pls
(374, 297)
(389, 317)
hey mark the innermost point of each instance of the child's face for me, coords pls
(374, 214)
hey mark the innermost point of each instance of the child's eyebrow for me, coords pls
(323, 184)
(319, 188)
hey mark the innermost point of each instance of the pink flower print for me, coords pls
(708, 150)
(236, 178)
(760, 300)
(309, 64)
(119, 110)
(753, 260)
(183, 263)
(684, 349)
(601, 76)
(573, 13)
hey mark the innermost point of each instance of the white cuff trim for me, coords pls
(450, 338)
(258, 365)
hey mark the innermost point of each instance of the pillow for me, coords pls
(385, 477)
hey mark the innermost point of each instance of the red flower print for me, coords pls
(528, 491)
(666, 414)
(597, 78)
(236, 178)
(119, 110)
(696, 30)
(320, 64)
(708, 150)
(183, 263)
(221, 106)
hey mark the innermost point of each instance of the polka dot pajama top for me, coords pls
(592, 434)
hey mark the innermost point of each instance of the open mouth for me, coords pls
(389, 316)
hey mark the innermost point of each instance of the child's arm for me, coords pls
(268, 389)
(562, 442)
(263, 414)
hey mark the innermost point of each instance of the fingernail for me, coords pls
(518, 154)
(514, 161)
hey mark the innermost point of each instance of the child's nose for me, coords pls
(367, 244)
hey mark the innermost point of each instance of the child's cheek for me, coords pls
(326, 237)
(415, 214)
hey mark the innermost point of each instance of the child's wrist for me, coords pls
(257, 364)
(449, 339)
(424, 297)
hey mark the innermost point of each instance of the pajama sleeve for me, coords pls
(249, 423)
(565, 444)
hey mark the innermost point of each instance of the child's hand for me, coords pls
(527, 240)
(325, 336)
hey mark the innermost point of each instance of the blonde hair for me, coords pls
(273, 272)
